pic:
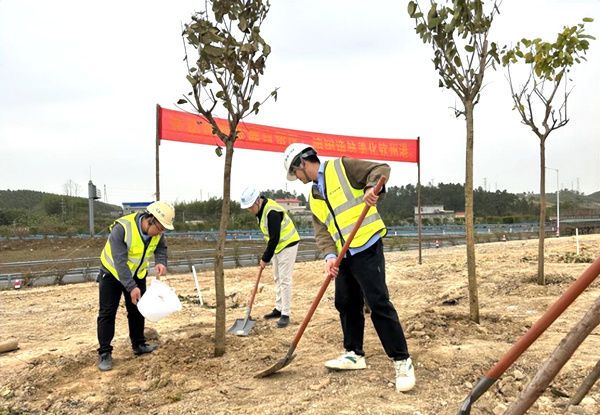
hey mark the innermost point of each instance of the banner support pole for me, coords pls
(157, 194)
(419, 195)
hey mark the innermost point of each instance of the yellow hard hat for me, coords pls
(163, 212)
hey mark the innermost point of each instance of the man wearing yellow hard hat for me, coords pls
(124, 261)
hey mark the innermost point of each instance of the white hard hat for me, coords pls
(163, 212)
(290, 156)
(249, 196)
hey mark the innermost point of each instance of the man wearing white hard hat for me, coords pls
(282, 246)
(124, 261)
(341, 188)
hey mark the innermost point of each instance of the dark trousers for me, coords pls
(363, 275)
(110, 297)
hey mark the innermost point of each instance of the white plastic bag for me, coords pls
(158, 301)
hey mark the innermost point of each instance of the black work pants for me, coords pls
(110, 296)
(362, 277)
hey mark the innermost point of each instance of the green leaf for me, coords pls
(219, 151)
(243, 25)
(238, 76)
(469, 48)
(433, 22)
(457, 61)
(588, 19)
(181, 101)
(432, 12)
(192, 80)
(412, 8)
(213, 50)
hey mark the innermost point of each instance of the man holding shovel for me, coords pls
(124, 262)
(341, 189)
(282, 246)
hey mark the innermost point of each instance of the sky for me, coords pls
(79, 84)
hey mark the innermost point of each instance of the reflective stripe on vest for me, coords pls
(345, 206)
(287, 233)
(137, 259)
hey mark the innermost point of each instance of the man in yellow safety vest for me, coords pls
(282, 246)
(341, 189)
(124, 261)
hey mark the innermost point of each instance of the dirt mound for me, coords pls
(54, 371)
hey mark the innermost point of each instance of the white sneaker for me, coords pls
(347, 361)
(405, 375)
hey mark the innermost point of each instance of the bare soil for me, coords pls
(54, 370)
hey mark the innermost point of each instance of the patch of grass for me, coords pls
(176, 397)
(570, 257)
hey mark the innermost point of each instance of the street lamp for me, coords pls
(557, 203)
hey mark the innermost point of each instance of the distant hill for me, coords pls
(573, 200)
(594, 197)
(33, 200)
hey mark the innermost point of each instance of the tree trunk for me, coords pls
(561, 354)
(219, 273)
(586, 385)
(541, 278)
(470, 230)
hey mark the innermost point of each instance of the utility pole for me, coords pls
(93, 194)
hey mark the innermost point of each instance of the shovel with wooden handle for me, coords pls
(530, 336)
(290, 354)
(242, 326)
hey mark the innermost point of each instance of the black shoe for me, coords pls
(283, 321)
(105, 361)
(273, 314)
(144, 348)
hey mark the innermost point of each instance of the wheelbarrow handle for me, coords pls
(338, 260)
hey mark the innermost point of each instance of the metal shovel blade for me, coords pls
(242, 326)
(279, 365)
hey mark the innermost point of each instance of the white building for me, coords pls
(130, 207)
(434, 211)
(293, 206)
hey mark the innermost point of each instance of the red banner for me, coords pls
(191, 128)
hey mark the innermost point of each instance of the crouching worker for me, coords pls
(124, 262)
(282, 246)
(341, 188)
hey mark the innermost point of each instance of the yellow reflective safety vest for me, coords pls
(342, 207)
(137, 252)
(288, 232)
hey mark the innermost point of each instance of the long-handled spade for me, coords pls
(242, 326)
(530, 336)
(290, 353)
